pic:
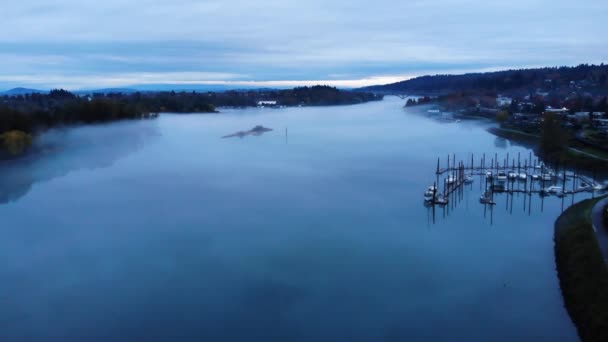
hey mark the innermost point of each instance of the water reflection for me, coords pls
(501, 143)
(61, 151)
(511, 200)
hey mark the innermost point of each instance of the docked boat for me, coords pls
(512, 175)
(468, 179)
(489, 174)
(553, 189)
(522, 176)
(501, 176)
(547, 176)
(486, 198)
(451, 179)
(535, 177)
(429, 193)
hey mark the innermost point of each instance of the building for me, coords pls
(267, 103)
(525, 120)
(558, 111)
(502, 101)
(584, 116)
(603, 123)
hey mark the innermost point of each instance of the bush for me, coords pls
(15, 142)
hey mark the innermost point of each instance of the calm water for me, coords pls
(160, 230)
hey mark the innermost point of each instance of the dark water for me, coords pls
(160, 230)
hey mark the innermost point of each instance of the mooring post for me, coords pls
(518, 162)
(448, 163)
(531, 187)
(472, 162)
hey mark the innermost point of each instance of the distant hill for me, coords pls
(583, 77)
(147, 88)
(194, 87)
(23, 91)
(107, 91)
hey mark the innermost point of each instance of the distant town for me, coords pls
(566, 108)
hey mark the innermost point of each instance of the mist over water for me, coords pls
(58, 152)
(161, 230)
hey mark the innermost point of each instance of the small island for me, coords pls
(256, 131)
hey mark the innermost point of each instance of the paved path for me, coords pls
(598, 225)
(590, 155)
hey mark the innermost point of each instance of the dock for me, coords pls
(508, 175)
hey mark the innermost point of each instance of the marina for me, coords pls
(526, 176)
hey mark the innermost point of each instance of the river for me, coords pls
(315, 231)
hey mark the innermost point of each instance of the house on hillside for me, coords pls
(557, 111)
(525, 120)
(584, 116)
(267, 104)
(601, 123)
(502, 101)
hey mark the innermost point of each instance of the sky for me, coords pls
(84, 44)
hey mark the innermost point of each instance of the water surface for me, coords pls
(160, 230)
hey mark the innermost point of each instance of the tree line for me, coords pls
(32, 112)
(584, 76)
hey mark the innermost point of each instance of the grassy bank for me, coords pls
(582, 273)
(523, 138)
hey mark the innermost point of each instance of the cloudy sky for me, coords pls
(80, 44)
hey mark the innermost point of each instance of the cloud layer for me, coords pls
(83, 44)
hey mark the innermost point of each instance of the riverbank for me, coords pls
(582, 272)
(583, 159)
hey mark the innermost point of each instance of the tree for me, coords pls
(502, 116)
(553, 138)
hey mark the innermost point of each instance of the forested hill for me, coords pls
(31, 112)
(583, 77)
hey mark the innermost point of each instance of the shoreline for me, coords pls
(572, 156)
(582, 271)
